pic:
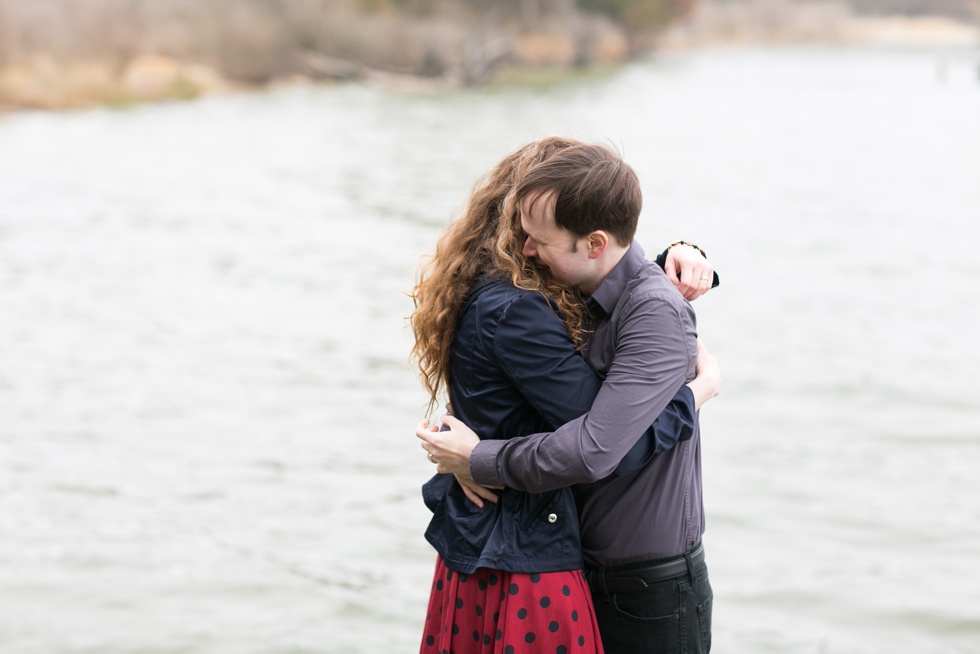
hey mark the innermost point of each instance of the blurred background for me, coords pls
(211, 214)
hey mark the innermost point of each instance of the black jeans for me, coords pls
(668, 617)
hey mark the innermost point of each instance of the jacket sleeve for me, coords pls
(536, 353)
(539, 357)
(654, 355)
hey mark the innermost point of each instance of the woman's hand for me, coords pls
(689, 271)
(450, 451)
(707, 384)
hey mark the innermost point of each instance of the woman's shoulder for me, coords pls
(501, 300)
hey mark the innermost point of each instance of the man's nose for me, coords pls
(529, 250)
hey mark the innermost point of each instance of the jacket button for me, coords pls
(552, 518)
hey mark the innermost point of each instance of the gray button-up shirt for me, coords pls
(645, 348)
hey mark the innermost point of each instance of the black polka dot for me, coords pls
(561, 649)
(476, 635)
(535, 577)
(529, 637)
(574, 616)
(521, 614)
(482, 584)
(545, 602)
(509, 649)
(513, 589)
(492, 580)
(581, 641)
(566, 591)
(455, 630)
(430, 640)
(553, 626)
(449, 575)
(496, 616)
(486, 639)
(499, 634)
(463, 578)
(479, 610)
(459, 602)
(439, 585)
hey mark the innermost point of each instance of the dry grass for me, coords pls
(249, 40)
(76, 52)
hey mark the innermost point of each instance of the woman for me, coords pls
(508, 577)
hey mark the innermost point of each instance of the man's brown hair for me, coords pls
(595, 190)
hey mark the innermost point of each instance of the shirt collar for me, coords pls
(611, 288)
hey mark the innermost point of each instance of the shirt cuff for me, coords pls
(483, 462)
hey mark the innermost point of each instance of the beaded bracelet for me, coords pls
(689, 244)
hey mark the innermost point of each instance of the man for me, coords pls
(641, 532)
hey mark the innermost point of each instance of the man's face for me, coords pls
(552, 247)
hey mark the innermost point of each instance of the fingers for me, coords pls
(423, 433)
(476, 492)
(424, 428)
(697, 287)
(705, 277)
(426, 432)
(472, 497)
(695, 281)
(684, 282)
(484, 493)
(689, 271)
(671, 270)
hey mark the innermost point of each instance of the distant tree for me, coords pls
(639, 15)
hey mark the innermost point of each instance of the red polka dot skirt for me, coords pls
(495, 612)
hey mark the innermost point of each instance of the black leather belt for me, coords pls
(635, 577)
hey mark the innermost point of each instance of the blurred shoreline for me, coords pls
(829, 22)
(553, 49)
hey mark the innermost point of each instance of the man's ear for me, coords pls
(598, 241)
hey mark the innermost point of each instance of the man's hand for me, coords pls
(689, 271)
(450, 451)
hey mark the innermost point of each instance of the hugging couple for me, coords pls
(567, 510)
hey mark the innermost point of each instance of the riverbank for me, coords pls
(781, 22)
(50, 83)
(46, 82)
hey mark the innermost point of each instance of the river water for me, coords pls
(206, 412)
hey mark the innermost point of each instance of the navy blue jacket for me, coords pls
(515, 371)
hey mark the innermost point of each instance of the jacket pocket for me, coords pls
(539, 508)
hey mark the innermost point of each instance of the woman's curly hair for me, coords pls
(486, 238)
